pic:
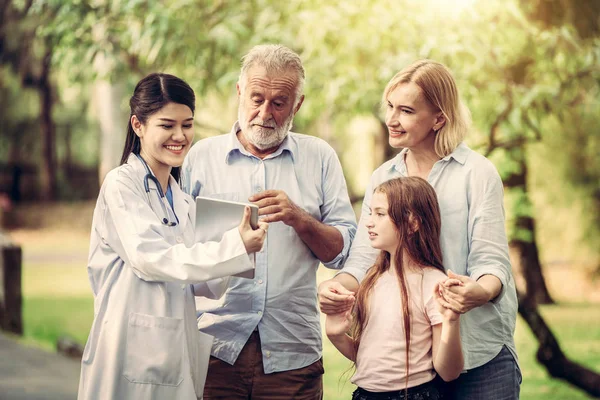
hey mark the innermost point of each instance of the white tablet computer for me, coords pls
(214, 217)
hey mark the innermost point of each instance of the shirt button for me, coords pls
(260, 281)
(258, 189)
(259, 313)
(268, 354)
(179, 239)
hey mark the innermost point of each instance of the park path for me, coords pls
(28, 373)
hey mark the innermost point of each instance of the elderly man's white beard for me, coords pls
(264, 138)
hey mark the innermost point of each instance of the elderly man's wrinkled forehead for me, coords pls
(281, 79)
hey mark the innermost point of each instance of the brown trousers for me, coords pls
(246, 379)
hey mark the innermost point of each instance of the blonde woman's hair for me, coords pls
(439, 88)
(275, 58)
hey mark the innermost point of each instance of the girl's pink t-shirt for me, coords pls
(381, 357)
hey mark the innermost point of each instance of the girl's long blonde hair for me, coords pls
(439, 88)
(414, 209)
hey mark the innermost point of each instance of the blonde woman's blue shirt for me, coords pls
(473, 241)
(282, 298)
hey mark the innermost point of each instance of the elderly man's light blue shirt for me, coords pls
(282, 298)
(473, 240)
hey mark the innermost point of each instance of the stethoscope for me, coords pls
(161, 196)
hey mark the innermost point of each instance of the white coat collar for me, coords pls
(181, 201)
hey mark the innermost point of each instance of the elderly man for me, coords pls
(267, 331)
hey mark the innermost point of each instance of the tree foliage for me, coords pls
(528, 70)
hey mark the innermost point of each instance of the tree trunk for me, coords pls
(67, 163)
(550, 355)
(106, 102)
(113, 124)
(528, 258)
(48, 171)
(524, 242)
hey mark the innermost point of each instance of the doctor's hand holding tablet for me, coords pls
(253, 238)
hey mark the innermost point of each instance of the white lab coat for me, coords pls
(144, 342)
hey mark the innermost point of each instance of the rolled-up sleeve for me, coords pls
(488, 253)
(336, 210)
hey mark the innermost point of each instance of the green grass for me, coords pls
(48, 318)
(57, 301)
(577, 329)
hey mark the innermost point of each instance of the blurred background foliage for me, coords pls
(529, 70)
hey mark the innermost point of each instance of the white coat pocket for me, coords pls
(154, 350)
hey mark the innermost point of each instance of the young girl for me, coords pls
(144, 342)
(400, 336)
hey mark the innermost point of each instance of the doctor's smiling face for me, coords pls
(166, 136)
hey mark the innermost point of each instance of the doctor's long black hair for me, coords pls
(150, 95)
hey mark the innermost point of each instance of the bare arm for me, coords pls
(446, 347)
(447, 351)
(345, 345)
(491, 285)
(336, 295)
(323, 240)
(462, 293)
(336, 326)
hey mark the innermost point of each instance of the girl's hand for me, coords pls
(338, 324)
(253, 238)
(334, 298)
(464, 295)
(443, 307)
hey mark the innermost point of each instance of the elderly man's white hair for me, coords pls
(275, 58)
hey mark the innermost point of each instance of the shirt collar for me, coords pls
(398, 162)
(459, 154)
(181, 203)
(140, 169)
(235, 147)
(137, 165)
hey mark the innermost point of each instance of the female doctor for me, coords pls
(144, 342)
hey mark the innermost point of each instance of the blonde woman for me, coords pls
(426, 119)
